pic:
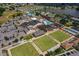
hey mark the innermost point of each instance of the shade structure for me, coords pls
(46, 22)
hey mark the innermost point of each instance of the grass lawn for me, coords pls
(44, 43)
(24, 50)
(27, 37)
(59, 35)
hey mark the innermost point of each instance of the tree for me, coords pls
(44, 9)
(19, 13)
(77, 8)
(9, 43)
(40, 55)
(37, 13)
(12, 7)
(21, 37)
(2, 45)
(62, 7)
(16, 40)
(77, 35)
(69, 24)
(29, 36)
(63, 21)
(57, 15)
(1, 11)
(6, 38)
(76, 24)
(15, 26)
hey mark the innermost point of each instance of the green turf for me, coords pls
(59, 35)
(24, 50)
(44, 43)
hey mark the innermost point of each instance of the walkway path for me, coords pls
(13, 45)
(1, 53)
(38, 49)
(65, 52)
(54, 39)
(68, 39)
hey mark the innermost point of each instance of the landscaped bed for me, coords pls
(24, 50)
(59, 35)
(45, 43)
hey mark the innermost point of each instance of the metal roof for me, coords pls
(46, 22)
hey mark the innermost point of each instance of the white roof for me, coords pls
(34, 18)
(75, 19)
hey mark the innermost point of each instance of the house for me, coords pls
(69, 44)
